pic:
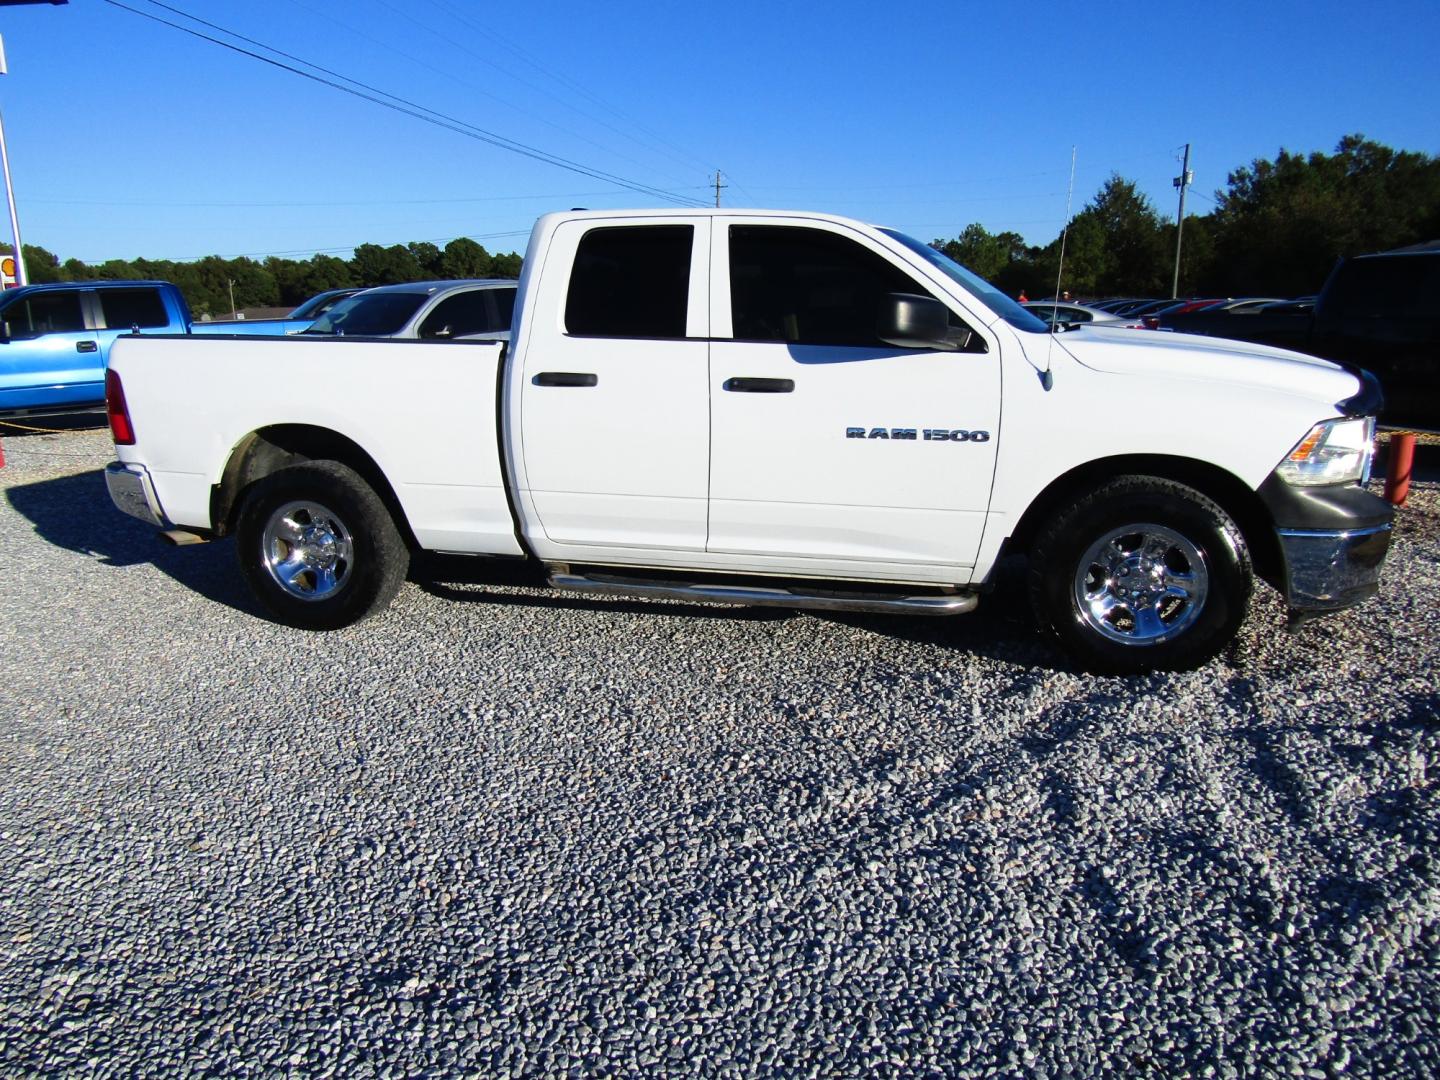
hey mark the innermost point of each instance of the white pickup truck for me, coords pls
(770, 408)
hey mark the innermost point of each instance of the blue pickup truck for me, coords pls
(55, 339)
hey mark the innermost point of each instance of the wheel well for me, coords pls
(1232, 493)
(263, 452)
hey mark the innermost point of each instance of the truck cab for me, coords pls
(55, 339)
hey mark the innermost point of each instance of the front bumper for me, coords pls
(132, 491)
(1326, 570)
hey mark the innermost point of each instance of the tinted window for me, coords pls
(369, 314)
(975, 285)
(44, 313)
(1392, 286)
(318, 305)
(632, 281)
(125, 308)
(505, 307)
(808, 287)
(463, 313)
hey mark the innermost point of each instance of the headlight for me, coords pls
(1333, 452)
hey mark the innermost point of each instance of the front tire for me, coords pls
(318, 547)
(1141, 574)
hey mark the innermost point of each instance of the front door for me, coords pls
(614, 416)
(50, 359)
(829, 445)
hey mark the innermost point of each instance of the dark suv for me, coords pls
(1382, 313)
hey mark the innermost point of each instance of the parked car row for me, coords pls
(55, 339)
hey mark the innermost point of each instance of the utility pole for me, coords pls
(1184, 180)
(718, 186)
(231, 283)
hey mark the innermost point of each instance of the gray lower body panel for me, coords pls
(1330, 570)
(132, 491)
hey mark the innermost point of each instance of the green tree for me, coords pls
(76, 270)
(40, 265)
(1132, 260)
(375, 265)
(506, 266)
(1282, 224)
(298, 281)
(428, 256)
(982, 252)
(464, 258)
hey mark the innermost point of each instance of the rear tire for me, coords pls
(1141, 574)
(318, 547)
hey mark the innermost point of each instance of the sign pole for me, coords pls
(20, 276)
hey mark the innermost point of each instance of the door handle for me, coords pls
(760, 386)
(85, 346)
(565, 378)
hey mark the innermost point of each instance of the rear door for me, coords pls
(51, 358)
(614, 423)
(828, 444)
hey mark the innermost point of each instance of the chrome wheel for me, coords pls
(307, 550)
(1141, 584)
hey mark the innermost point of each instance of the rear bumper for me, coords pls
(1326, 570)
(132, 491)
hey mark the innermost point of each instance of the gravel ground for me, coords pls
(500, 832)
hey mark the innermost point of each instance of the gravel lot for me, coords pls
(500, 832)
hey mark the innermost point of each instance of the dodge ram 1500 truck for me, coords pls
(770, 408)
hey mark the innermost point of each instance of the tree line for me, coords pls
(277, 282)
(1276, 230)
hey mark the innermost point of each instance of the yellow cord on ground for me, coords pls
(47, 430)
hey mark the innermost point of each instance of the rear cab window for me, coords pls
(630, 281)
(128, 308)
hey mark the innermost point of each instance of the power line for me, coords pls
(390, 47)
(401, 105)
(565, 81)
(328, 202)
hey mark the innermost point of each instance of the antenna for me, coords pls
(1046, 379)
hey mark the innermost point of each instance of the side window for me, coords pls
(808, 287)
(504, 301)
(464, 313)
(125, 308)
(631, 281)
(1387, 286)
(45, 313)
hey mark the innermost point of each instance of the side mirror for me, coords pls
(914, 322)
(4, 332)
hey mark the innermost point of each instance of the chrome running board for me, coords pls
(751, 596)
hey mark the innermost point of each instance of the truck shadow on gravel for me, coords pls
(1001, 628)
(74, 513)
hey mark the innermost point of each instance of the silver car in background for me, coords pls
(425, 310)
(1064, 311)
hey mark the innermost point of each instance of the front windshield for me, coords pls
(369, 314)
(318, 305)
(976, 286)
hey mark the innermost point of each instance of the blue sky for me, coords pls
(128, 138)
